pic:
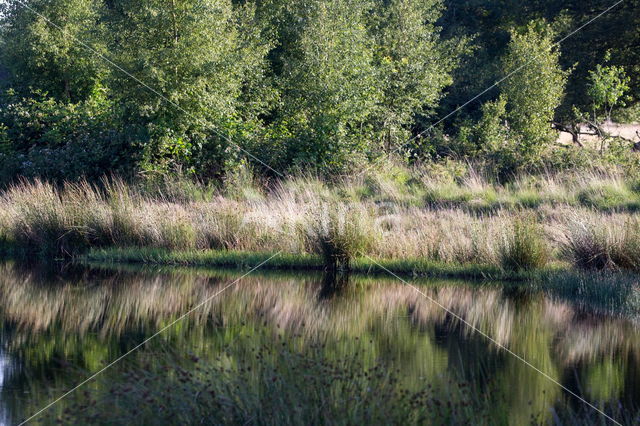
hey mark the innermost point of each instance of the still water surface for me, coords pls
(60, 324)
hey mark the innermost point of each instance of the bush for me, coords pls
(44, 138)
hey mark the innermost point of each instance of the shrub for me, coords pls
(58, 141)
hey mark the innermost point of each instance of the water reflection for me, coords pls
(59, 325)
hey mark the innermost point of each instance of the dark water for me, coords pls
(60, 324)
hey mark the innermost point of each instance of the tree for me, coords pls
(414, 64)
(50, 59)
(534, 88)
(607, 88)
(202, 56)
(491, 131)
(329, 86)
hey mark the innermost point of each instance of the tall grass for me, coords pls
(523, 246)
(336, 221)
(338, 233)
(611, 242)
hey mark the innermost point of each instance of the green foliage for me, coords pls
(325, 85)
(58, 140)
(523, 247)
(497, 142)
(607, 88)
(492, 133)
(329, 86)
(534, 89)
(50, 59)
(201, 56)
(515, 130)
(414, 65)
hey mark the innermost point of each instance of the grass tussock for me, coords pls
(338, 233)
(612, 244)
(523, 247)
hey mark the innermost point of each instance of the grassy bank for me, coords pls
(316, 224)
(285, 261)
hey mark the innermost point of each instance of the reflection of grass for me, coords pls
(273, 383)
(606, 380)
(607, 291)
(373, 318)
(613, 293)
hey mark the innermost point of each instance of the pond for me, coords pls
(278, 348)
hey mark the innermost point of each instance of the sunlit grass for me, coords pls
(403, 216)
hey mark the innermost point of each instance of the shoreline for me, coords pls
(306, 262)
(615, 293)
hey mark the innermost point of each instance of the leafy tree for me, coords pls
(48, 58)
(329, 86)
(615, 33)
(534, 89)
(607, 88)
(203, 57)
(414, 64)
(44, 137)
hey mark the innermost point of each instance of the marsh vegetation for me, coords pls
(396, 218)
